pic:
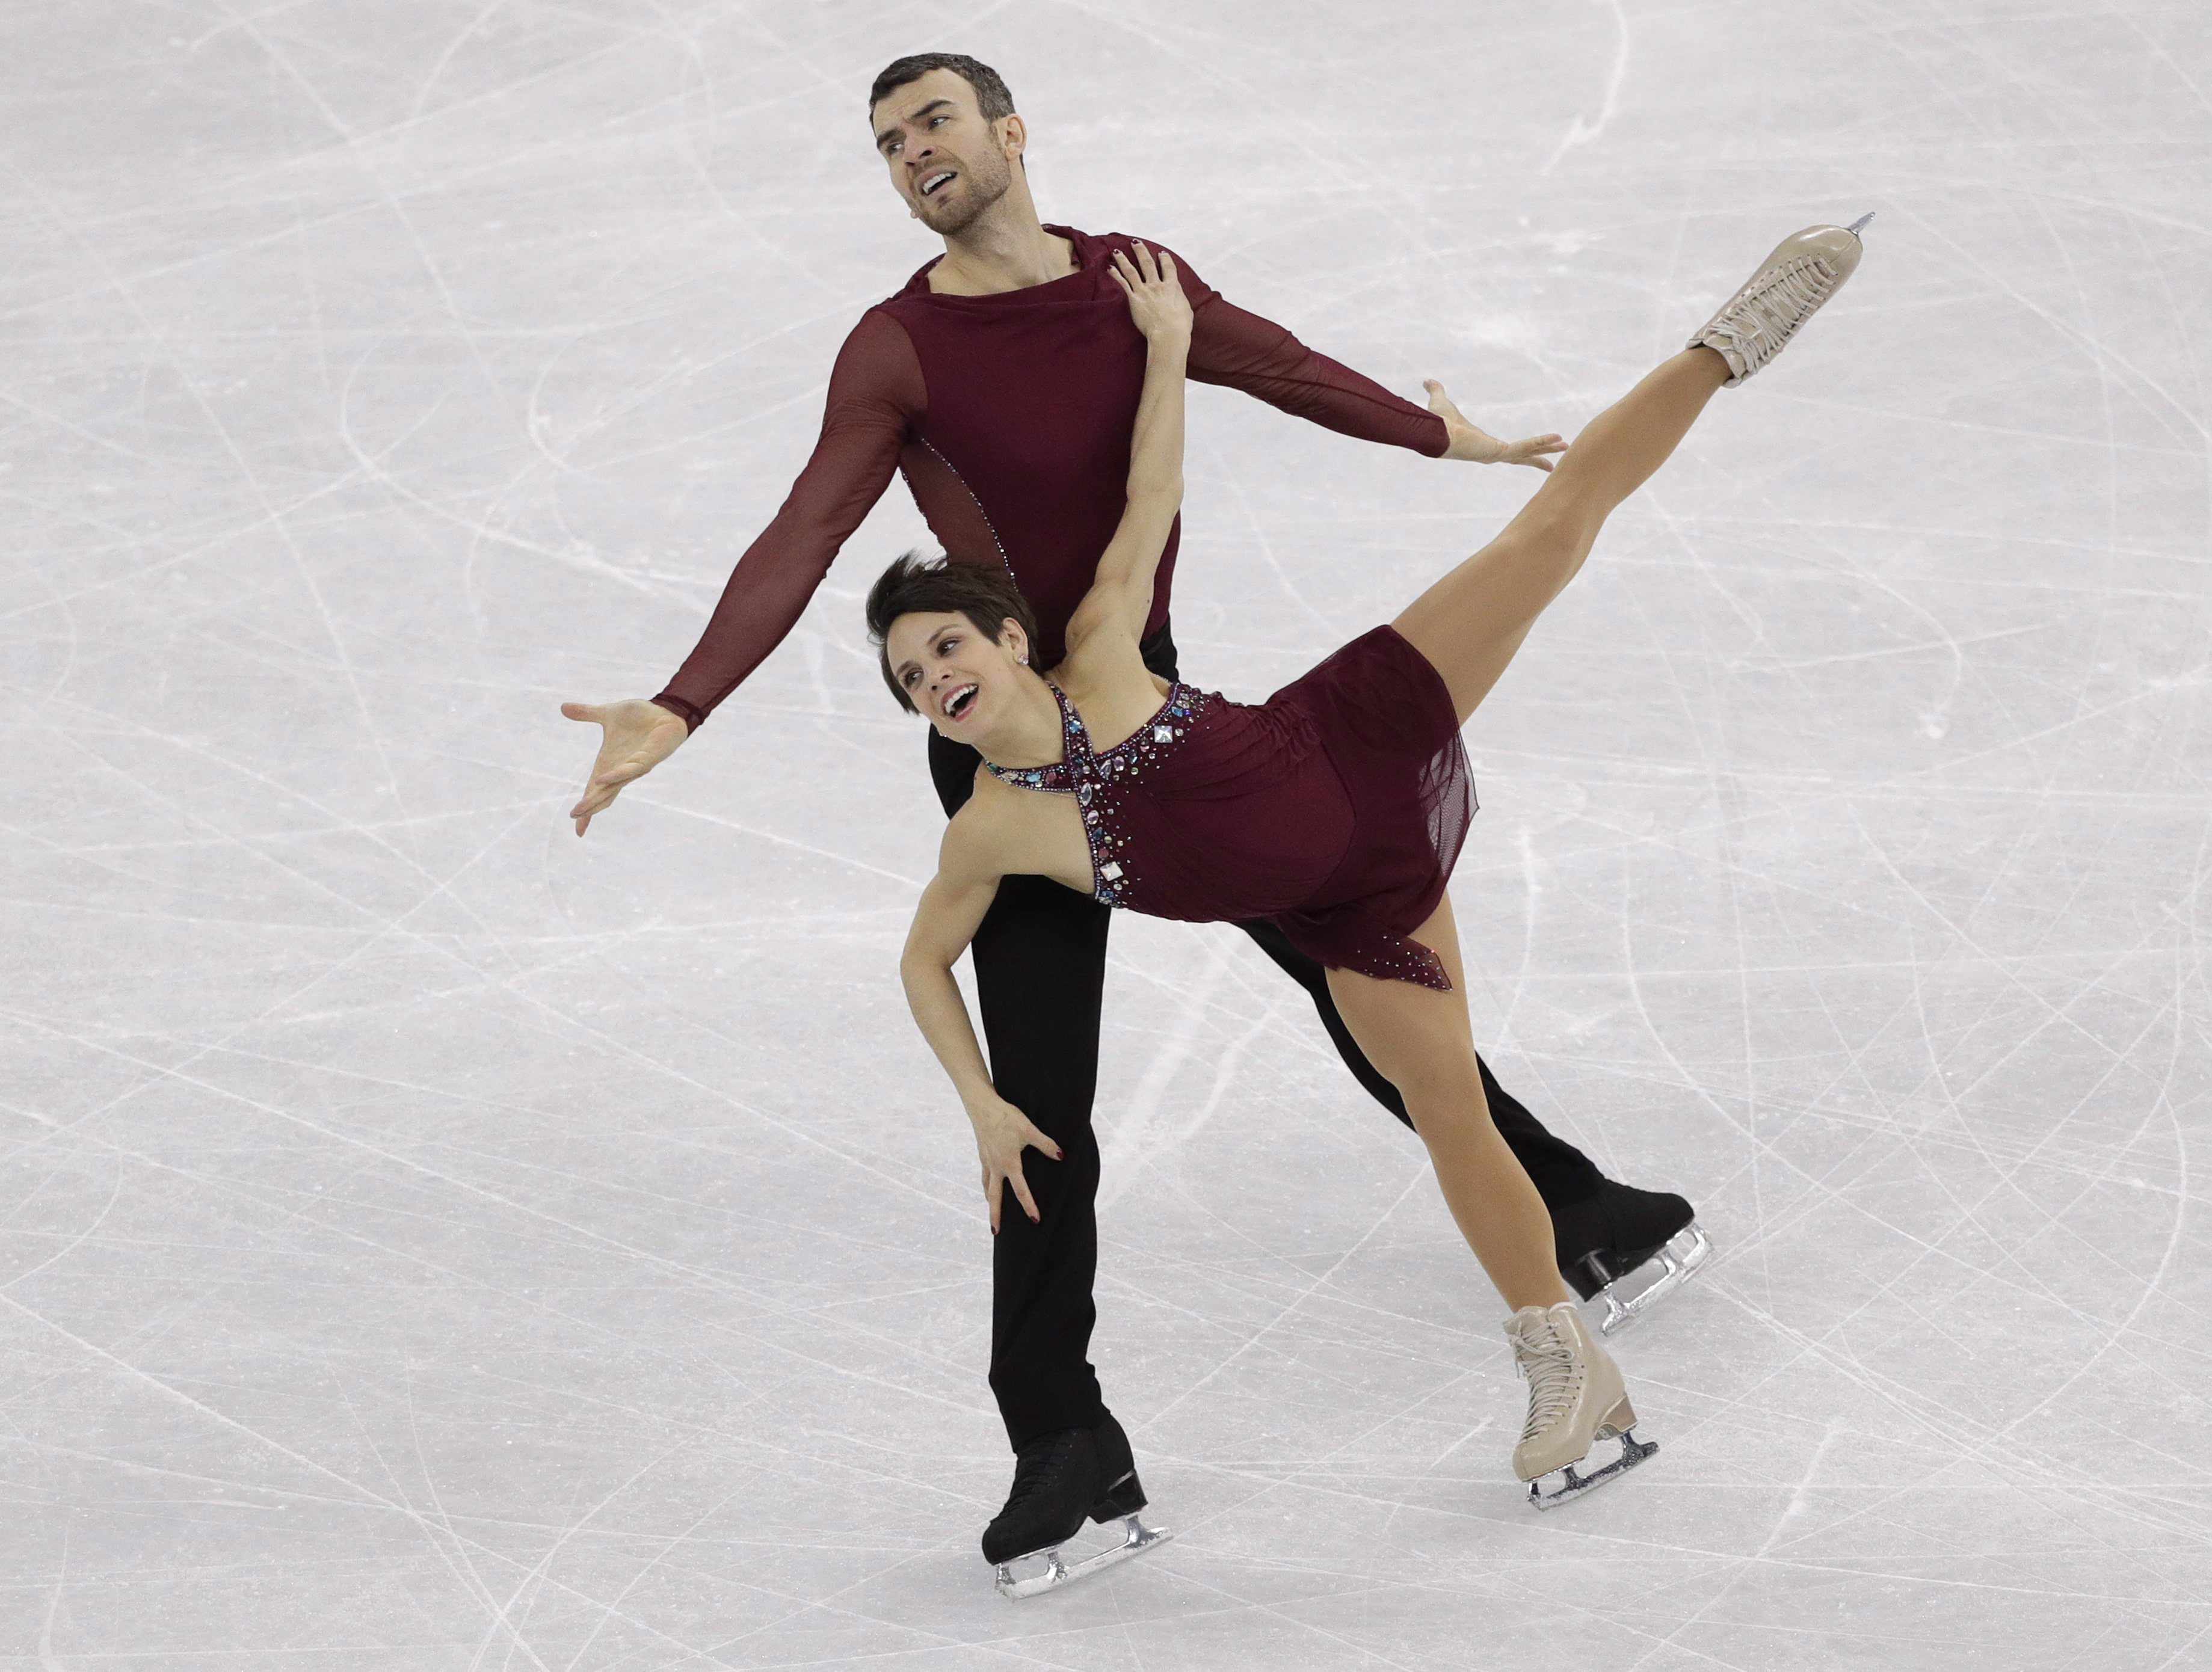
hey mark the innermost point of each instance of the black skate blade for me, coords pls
(1572, 1482)
(1592, 1275)
(1136, 1538)
(1628, 1298)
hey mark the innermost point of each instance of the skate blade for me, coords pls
(1572, 1481)
(1136, 1538)
(1631, 1295)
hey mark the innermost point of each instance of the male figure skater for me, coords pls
(1002, 381)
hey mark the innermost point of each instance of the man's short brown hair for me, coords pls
(992, 97)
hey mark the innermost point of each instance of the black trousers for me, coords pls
(1040, 959)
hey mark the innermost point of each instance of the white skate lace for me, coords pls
(1763, 321)
(1554, 1375)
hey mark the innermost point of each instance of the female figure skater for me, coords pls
(1337, 808)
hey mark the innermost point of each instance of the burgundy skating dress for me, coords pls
(1337, 808)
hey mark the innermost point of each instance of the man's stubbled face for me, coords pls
(945, 159)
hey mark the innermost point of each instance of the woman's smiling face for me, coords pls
(951, 671)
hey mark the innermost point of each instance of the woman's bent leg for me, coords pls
(1420, 1039)
(1576, 1399)
(1470, 623)
(1563, 1175)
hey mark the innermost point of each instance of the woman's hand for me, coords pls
(1478, 445)
(1156, 303)
(1002, 1133)
(636, 736)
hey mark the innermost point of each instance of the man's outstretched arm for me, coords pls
(876, 392)
(1241, 350)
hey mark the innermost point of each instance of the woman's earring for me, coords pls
(1025, 658)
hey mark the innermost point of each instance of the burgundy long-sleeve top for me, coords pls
(1010, 417)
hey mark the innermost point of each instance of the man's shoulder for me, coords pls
(877, 316)
(1110, 241)
(880, 336)
(1122, 240)
(1195, 287)
(914, 290)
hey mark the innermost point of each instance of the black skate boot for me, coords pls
(1632, 1248)
(1059, 1481)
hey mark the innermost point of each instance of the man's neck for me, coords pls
(1005, 248)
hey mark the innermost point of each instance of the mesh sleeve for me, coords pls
(875, 393)
(1241, 350)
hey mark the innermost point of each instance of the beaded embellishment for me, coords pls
(1093, 778)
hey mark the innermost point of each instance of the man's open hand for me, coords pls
(635, 737)
(1480, 446)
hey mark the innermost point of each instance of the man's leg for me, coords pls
(1040, 972)
(1040, 961)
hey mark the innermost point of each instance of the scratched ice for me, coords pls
(428, 1242)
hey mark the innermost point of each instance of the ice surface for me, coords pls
(428, 1241)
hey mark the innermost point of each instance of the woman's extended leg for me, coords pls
(1422, 1042)
(1471, 622)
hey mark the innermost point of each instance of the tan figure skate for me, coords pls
(1575, 1403)
(1805, 270)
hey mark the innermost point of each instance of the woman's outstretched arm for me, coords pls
(953, 906)
(1121, 595)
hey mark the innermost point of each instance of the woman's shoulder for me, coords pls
(1113, 696)
(991, 825)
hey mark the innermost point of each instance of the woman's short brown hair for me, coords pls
(914, 584)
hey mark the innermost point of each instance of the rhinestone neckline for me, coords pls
(1095, 779)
